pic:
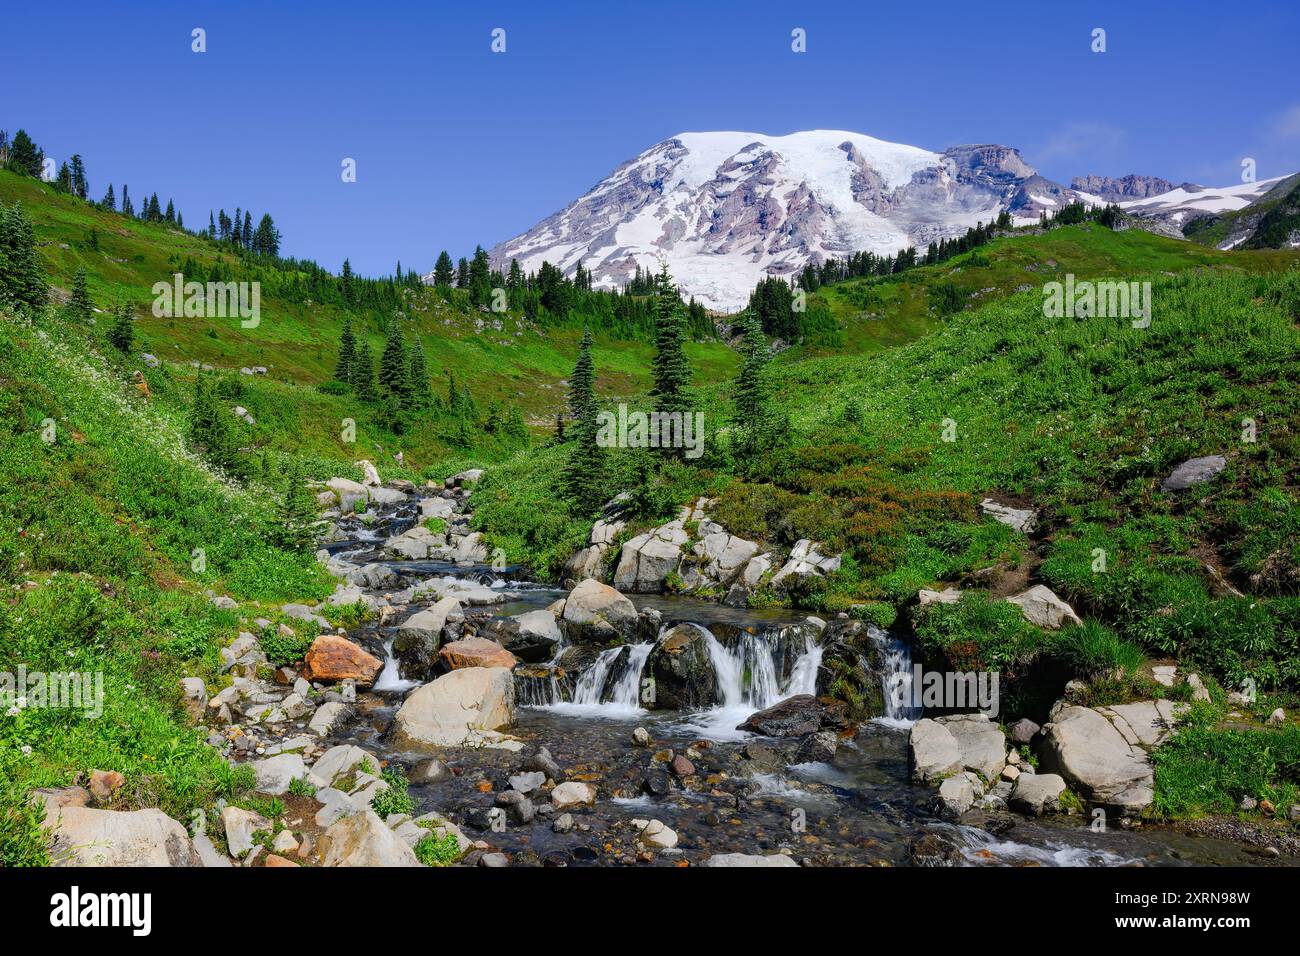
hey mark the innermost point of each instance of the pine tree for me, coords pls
(347, 354)
(122, 334)
(582, 477)
(672, 371)
(210, 430)
(516, 429)
(480, 277)
(109, 201)
(755, 429)
(462, 273)
(297, 512)
(346, 283)
(170, 215)
(443, 271)
(394, 372)
(418, 395)
(582, 383)
(363, 372)
(21, 281)
(248, 230)
(25, 157)
(79, 307)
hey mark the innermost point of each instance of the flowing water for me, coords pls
(859, 809)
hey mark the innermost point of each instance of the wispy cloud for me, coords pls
(1287, 123)
(1082, 141)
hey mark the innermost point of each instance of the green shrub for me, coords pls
(284, 649)
(435, 851)
(397, 798)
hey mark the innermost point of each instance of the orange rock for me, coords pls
(476, 652)
(334, 658)
(485, 786)
(105, 783)
(274, 860)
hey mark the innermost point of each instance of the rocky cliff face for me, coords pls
(727, 209)
(1122, 188)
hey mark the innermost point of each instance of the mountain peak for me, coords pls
(724, 209)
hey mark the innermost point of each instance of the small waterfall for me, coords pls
(611, 686)
(749, 678)
(897, 680)
(390, 678)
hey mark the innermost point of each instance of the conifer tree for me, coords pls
(210, 430)
(346, 282)
(363, 371)
(22, 283)
(25, 157)
(672, 371)
(418, 395)
(582, 477)
(297, 512)
(347, 354)
(582, 383)
(79, 307)
(109, 201)
(394, 372)
(462, 273)
(443, 271)
(756, 429)
(122, 334)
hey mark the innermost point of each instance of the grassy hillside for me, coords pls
(500, 358)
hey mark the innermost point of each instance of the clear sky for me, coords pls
(456, 145)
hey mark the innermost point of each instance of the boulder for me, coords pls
(1023, 731)
(275, 774)
(346, 486)
(573, 794)
(362, 839)
(104, 784)
(981, 744)
(1037, 793)
(420, 635)
(947, 596)
(932, 751)
(1194, 471)
(416, 543)
(682, 670)
(334, 658)
(531, 636)
(328, 716)
(655, 835)
(646, 560)
(723, 555)
(796, 716)
(467, 707)
(1042, 607)
(341, 761)
(476, 652)
(241, 825)
(956, 796)
(1095, 759)
(1023, 520)
(86, 837)
(370, 477)
(596, 613)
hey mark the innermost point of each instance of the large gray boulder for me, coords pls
(648, 559)
(933, 751)
(980, 742)
(1037, 793)
(1042, 607)
(682, 670)
(1096, 760)
(467, 707)
(362, 839)
(531, 636)
(87, 837)
(596, 613)
(1194, 471)
(275, 774)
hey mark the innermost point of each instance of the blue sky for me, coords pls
(456, 145)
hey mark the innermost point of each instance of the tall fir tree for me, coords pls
(582, 383)
(755, 427)
(671, 370)
(345, 283)
(210, 431)
(444, 273)
(297, 512)
(109, 202)
(22, 283)
(363, 371)
(394, 372)
(122, 333)
(419, 395)
(79, 307)
(582, 476)
(347, 353)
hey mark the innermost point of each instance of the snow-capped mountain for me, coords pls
(1189, 200)
(726, 209)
